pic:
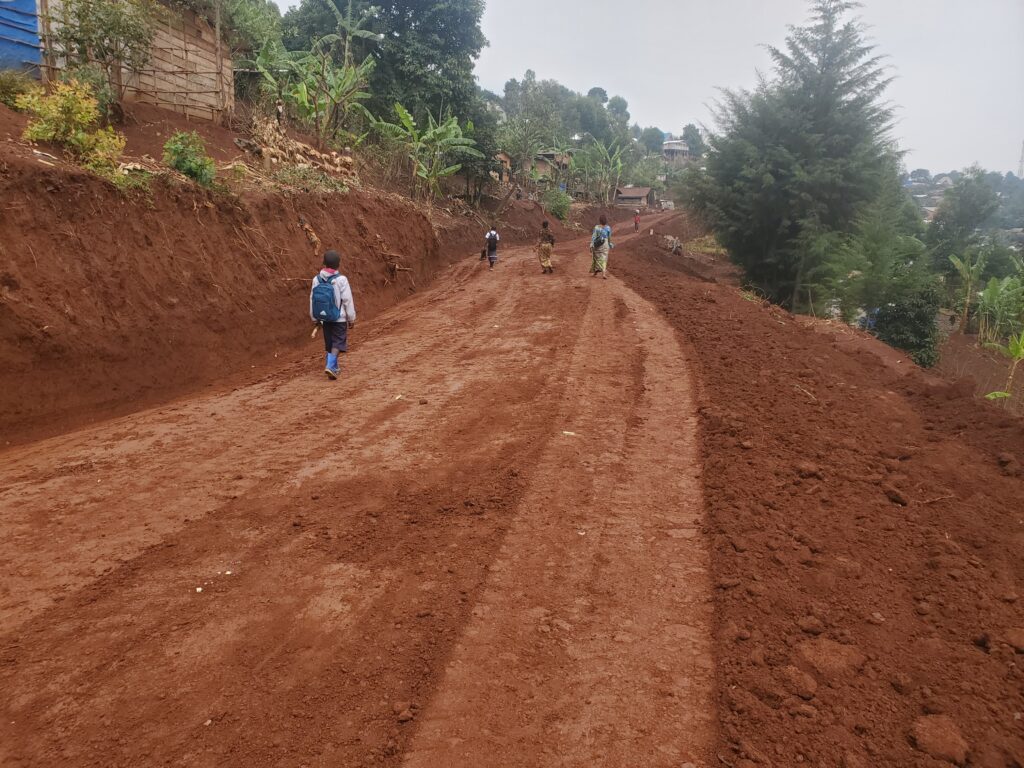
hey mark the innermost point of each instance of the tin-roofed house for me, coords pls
(636, 197)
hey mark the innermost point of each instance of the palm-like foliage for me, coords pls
(1014, 351)
(433, 151)
(320, 93)
(1000, 309)
(352, 25)
(970, 269)
(522, 139)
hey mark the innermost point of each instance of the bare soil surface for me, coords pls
(503, 487)
(866, 527)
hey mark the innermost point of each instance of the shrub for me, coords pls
(93, 76)
(15, 83)
(65, 116)
(907, 320)
(557, 203)
(102, 150)
(186, 152)
(68, 117)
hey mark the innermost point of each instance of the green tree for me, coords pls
(618, 115)
(600, 95)
(653, 139)
(906, 320)
(251, 24)
(885, 244)
(965, 207)
(115, 34)
(694, 140)
(423, 50)
(522, 139)
(799, 157)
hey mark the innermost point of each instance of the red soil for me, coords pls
(963, 358)
(866, 534)
(159, 295)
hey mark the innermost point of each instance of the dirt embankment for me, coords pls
(109, 303)
(866, 535)
(106, 300)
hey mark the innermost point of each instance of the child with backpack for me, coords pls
(545, 246)
(491, 250)
(331, 305)
(600, 245)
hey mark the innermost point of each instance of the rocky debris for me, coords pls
(812, 625)
(808, 470)
(1015, 639)
(901, 683)
(831, 660)
(939, 737)
(799, 682)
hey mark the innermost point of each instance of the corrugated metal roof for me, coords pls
(19, 35)
(634, 191)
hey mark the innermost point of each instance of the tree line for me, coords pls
(804, 187)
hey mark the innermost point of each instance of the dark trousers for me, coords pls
(336, 337)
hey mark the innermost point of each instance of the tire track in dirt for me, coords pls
(354, 568)
(590, 645)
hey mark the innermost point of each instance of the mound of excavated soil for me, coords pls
(866, 540)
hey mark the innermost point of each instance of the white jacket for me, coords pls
(342, 297)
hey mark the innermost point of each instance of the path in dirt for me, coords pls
(480, 548)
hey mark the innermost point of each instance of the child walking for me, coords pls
(545, 246)
(492, 238)
(331, 305)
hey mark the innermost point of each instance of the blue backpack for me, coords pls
(324, 308)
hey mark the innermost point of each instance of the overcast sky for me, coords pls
(959, 63)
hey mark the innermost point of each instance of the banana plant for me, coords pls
(1000, 308)
(326, 95)
(1014, 351)
(970, 271)
(352, 26)
(432, 151)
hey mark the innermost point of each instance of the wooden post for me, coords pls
(220, 63)
(46, 40)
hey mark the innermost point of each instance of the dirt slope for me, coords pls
(480, 480)
(866, 535)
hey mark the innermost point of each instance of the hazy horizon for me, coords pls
(959, 88)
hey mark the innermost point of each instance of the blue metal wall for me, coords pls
(19, 34)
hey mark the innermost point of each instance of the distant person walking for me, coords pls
(636, 221)
(491, 249)
(600, 245)
(545, 247)
(331, 305)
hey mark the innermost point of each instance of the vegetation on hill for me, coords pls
(803, 187)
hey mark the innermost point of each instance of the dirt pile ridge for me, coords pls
(866, 535)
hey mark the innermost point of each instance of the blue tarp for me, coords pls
(19, 34)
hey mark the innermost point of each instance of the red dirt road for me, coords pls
(482, 547)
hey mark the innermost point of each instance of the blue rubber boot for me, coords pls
(332, 366)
